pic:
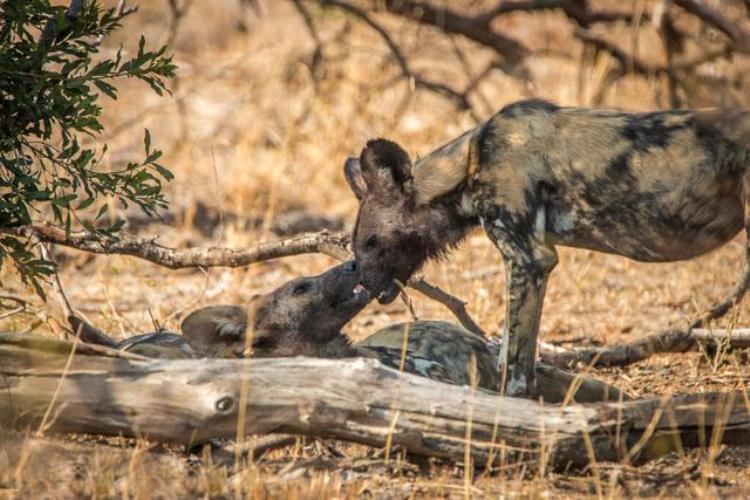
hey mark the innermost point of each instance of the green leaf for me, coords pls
(86, 203)
(105, 87)
(64, 201)
(103, 210)
(168, 176)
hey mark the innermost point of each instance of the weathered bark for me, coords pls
(333, 245)
(191, 401)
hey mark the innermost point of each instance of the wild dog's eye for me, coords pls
(371, 242)
(302, 288)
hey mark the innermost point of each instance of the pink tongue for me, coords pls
(358, 289)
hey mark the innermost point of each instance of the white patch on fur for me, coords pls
(515, 387)
(516, 139)
(423, 366)
(564, 222)
(467, 205)
(540, 222)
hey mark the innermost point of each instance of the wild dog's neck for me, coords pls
(339, 347)
(445, 222)
(443, 203)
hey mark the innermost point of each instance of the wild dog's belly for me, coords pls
(673, 221)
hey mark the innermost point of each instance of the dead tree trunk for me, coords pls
(97, 391)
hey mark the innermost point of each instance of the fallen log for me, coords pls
(55, 385)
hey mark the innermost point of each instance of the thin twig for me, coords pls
(21, 305)
(121, 11)
(317, 54)
(454, 304)
(572, 9)
(55, 282)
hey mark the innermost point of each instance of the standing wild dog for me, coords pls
(655, 187)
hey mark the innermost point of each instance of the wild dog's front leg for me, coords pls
(528, 264)
(525, 284)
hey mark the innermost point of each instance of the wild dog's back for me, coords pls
(657, 186)
(435, 349)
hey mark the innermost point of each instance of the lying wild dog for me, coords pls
(226, 341)
(305, 316)
(319, 306)
(654, 187)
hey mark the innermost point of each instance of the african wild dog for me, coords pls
(304, 317)
(656, 187)
(299, 318)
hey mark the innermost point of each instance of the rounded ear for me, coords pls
(385, 165)
(353, 174)
(215, 323)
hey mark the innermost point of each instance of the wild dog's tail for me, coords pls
(89, 333)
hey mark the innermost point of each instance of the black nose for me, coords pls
(350, 266)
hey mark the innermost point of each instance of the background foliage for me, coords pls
(52, 80)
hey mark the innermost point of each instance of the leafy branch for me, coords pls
(52, 77)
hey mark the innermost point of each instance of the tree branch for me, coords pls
(333, 245)
(454, 304)
(572, 9)
(459, 98)
(513, 51)
(739, 37)
(667, 341)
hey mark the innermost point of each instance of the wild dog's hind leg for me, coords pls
(735, 296)
(528, 263)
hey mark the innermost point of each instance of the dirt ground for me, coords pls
(257, 134)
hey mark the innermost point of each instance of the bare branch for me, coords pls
(459, 98)
(309, 24)
(572, 9)
(739, 37)
(667, 341)
(513, 51)
(20, 305)
(56, 284)
(333, 245)
(454, 304)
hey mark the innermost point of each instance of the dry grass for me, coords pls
(258, 138)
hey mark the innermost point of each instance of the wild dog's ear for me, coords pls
(213, 324)
(353, 174)
(385, 165)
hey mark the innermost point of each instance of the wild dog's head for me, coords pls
(297, 319)
(399, 224)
